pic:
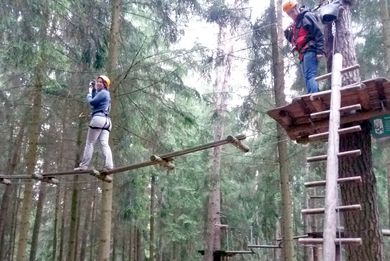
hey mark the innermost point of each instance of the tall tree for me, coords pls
(385, 17)
(280, 100)
(366, 192)
(107, 188)
(223, 71)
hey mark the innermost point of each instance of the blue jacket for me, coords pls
(100, 101)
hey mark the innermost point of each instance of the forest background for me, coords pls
(169, 93)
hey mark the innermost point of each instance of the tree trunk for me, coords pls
(73, 220)
(55, 226)
(385, 17)
(280, 100)
(223, 72)
(107, 188)
(14, 227)
(151, 220)
(32, 151)
(140, 248)
(366, 223)
(60, 160)
(38, 220)
(92, 236)
(41, 198)
(63, 230)
(131, 242)
(6, 213)
(84, 235)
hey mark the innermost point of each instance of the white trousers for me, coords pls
(93, 135)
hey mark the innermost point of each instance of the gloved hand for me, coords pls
(92, 83)
(91, 87)
(288, 33)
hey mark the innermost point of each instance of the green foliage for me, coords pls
(159, 113)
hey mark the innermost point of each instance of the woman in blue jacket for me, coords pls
(100, 125)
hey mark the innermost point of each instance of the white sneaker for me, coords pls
(80, 168)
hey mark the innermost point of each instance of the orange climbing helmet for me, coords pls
(106, 80)
(289, 5)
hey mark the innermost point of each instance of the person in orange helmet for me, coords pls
(307, 39)
(100, 125)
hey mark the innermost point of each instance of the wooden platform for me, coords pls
(373, 96)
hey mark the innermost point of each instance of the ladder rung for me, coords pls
(5, 181)
(357, 85)
(317, 197)
(324, 135)
(320, 183)
(350, 130)
(346, 69)
(351, 107)
(319, 114)
(264, 246)
(340, 154)
(317, 158)
(350, 153)
(312, 211)
(50, 180)
(316, 241)
(326, 112)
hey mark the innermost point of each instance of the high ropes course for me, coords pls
(164, 160)
(325, 116)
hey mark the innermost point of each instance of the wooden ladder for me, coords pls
(329, 240)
